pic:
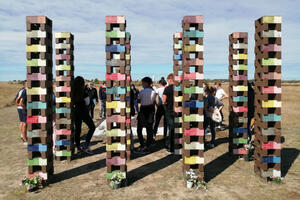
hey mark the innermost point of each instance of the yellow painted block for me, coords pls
(36, 91)
(35, 48)
(127, 56)
(115, 147)
(128, 142)
(271, 104)
(193, 160)
(193, 48)
(178, 99)
(178, 130)
(272, 19)
(240, 88)
(63, 100)
(115, 105)
(62, 35)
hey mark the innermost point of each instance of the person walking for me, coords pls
(167, 100)
(160, 111)
(21, 100)
(102, 97)
(92, 92)
(211, 103)
(81, 114)
(251, 109)
(221, 95)
(146, 115)
(135, 94)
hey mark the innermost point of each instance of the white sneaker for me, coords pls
(25, 143)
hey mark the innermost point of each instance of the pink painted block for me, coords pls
(128, 121)
(41, 174)
(128, 78)
(63, 132)
(240, 35)
(63, 78)
(178, 35)
(36, 19)
(115, 77)
(272, 76)
(271, 90)
(127, 46)
(193, 76)
(193, 19)
(196, 61)
(240, 78)
(240, 109)
(177, 109)
(62, 57)
(240, 151)
(178, 141)
(272, 47)
(63, 89)
(115, 118)
(194, 132)
(36, 76)
(271, 145)
(36, 119)
(115, 161)
(115, 19)
(178, 78)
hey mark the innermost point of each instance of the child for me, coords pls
(146, 115)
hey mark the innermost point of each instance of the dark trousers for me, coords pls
(91, 110)
(209, 122)
(170, 121)
(145, 119)
(160, 112)
(82, 115)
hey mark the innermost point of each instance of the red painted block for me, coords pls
(272, 47)
(128, 121)
(193, 19)
(115, 19)
(63, 132)
(240, 78)
(178, 35)
(271, 145)
(177, 109)
(36, 76)
(240, 109)
(127, 46)
(240, 34)
(194, 132)
(193, 76)
(240, 151)
(115, 77)
(115, 118)
(115, 161)
(63, 89)
(178, 78)
(62, 57)
(128, 78)
(178, 141)
(36, 119)
(63, 78)
(272, 76)
(271, 90)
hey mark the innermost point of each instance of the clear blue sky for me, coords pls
(152, 24)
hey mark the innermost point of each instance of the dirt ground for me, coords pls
(156, 175)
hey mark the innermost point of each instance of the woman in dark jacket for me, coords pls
(81, 113)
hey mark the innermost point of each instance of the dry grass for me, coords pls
(8, 92)
(157, 175)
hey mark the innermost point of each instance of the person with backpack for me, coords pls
(102, 97)
(212, 106)
(21, 100)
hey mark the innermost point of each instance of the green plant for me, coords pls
(116, 179)
(33, 183)
(191, 176)
(277, 180)
(201, 185)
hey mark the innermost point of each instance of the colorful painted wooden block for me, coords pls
(193, 48)
(115, 34)
(37, 147)
(194, 104)
(115, 161)
(37, 162)
(115, 90)
(193, 146)
(35, 48)
(271, 104)
(36, 34)
(36, 91)
(271, 145)
(115, 147)
(116, 77)
(115, 48)
(115, 19)
(240, 141)
(240, 67)
(36, 76)
(271, 61)
(63, 142)
(194, 132)
(193, 90)
(36, 105)
(271, 159)
(193, 19)
(63, 132)
(193, 34)
(193, 76)
(193, 160)
(36, 119)
(193, 118)
(63, 153)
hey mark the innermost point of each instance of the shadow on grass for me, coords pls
(218, 165)
(150, 168)
(288, 157)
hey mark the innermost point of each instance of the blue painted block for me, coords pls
(271, 159)
(63, 110)
(115, 48)
(37, 147)
(63, 142)
(271, 118)
(240, 130)
(127, 99)
(193, 104)
(116, 90)
(193, 34)
(178, 57)
(118, 98)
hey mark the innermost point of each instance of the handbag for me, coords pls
(216, 115)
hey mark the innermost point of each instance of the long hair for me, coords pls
(78, 89)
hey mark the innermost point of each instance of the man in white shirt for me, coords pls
(145, 118)
(221, 95)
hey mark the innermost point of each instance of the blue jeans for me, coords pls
(136, 106)
(212, 125)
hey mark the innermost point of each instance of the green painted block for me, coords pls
(63, 110)
(36, 105)
(115, 90)
(193, 34)
(115, 133)
(36, 133)
(271, 61)
(193, 90)
(115, 34)
(63, 153)
(177, 88)
(240, 141)
(37, 162)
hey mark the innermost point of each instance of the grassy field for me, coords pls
(156, 175)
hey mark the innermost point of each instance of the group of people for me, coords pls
(155, 104)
